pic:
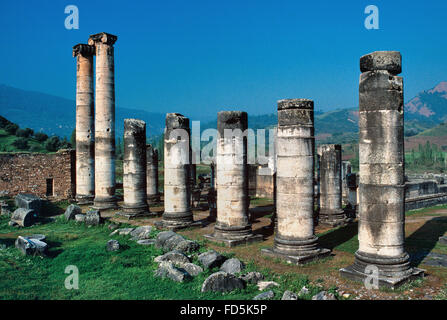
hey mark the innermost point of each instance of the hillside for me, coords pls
(56, 116)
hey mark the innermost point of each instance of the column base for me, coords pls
(153, 199)
(333, 218)
(393, 272)
(178, 220)
(296, 251)
(133, 212)
(297, 259)
(84, 199)
(234, 242)
(105, 203)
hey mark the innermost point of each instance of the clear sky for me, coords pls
(199, 57)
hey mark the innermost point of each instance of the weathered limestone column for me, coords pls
(232, 225)
(345, 170)
(104, 121)
(295, 240)
(134, 169)
(177, 187)
(85, 124)
(381, 185)
(331, 212)
(152, 174)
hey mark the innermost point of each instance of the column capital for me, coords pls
(83, 49)
(102, 37)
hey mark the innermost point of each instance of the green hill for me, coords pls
(16, 139)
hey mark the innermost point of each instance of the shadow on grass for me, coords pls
(50, 209)
(54, 248)
(423, 240)
(338, 236)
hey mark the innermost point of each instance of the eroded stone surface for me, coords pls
(105, 182)
(211, 259)
(168, 270)
(174, 257)
(232, 266)
(85, 123)
(71, 211)
(222, 282)
(134, 168)
(265, 296)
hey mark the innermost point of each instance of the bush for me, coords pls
(11, 128)
(41, 137)
(21, 143)
(24, 133)
(52, 144)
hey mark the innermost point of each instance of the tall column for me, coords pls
(177, 187)
(295, 240)
(331, 212)
(85, 125)
(345, 170)
(104, 121)
(381, 186)
(232, 225)
(152, 174)
(134, 169)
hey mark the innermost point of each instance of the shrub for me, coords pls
(52, 144)
(41, 137)
(21, 143)
(24, 133)
(11, 128)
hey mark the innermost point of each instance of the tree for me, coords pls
(24, 133)
(52, 144)
(41, 137)
(21, 143)
(11, 128)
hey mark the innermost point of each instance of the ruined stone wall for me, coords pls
(28, 173)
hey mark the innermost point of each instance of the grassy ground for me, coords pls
(7, 140)
(128, 273)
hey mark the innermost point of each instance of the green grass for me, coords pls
(125, 274)
(7, 140)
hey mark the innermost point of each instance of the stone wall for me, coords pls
(45, 175)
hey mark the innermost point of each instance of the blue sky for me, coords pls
(199, 57)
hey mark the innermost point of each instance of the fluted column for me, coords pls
(134, 168)
(232, 225)
(381, 186)
(152, 174)
(295, 240)
(104, 121)
(331, 212)
(85, 125)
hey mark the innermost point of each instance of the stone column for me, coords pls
(345, 170)
(134, 169)
(381, 186)
(152, 174)
(85, 125)
(295, 240)
(177, 187)
(331, 212)
(104, 121)
(232, 225)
